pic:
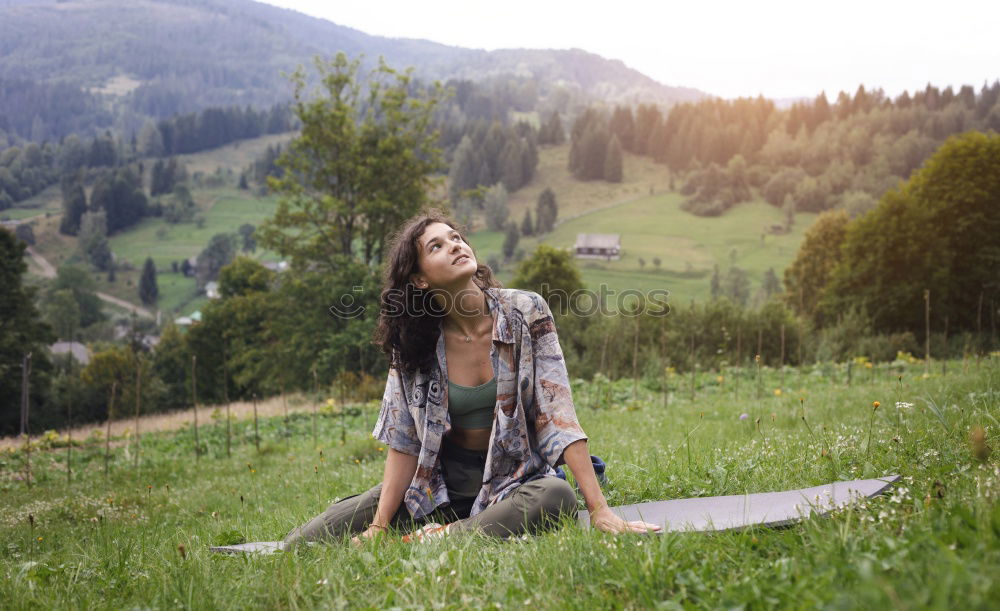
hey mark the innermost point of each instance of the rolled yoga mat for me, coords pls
(709, 513)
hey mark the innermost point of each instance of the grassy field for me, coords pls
(688, 246)
(140, 538)
(224, 210)
(49, 200)
(641, 209)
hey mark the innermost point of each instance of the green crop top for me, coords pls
(471, 407)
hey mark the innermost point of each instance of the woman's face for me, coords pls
(444, 259)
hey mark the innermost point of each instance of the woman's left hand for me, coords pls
(605, 520)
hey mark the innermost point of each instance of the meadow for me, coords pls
(688, 246)
(140, 536)
(642, 209)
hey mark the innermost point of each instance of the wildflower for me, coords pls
(756, 358)
(777, 392)
(875, 405)
(744, 416)
(868, 365)
(903, 405)
(40, 539)
(719, 379)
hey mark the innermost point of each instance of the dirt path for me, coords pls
(46, 268)
(48, 271)
(175, 420)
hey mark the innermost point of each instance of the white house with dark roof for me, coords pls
(607, 246)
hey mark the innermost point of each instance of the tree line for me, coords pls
(814, 156)
(936, 232)
(27, 170)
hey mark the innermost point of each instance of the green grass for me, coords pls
(933, 542)
(224, 210)
(688, 246)
(49, 200)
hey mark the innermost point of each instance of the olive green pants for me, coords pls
(530, 508)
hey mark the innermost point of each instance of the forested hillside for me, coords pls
(76, 67)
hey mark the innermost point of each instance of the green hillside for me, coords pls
(650, 225)
(641, 209)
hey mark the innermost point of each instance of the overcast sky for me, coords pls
(775, 47)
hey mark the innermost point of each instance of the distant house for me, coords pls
(186, 321)
(607, 246)
(212, 290)
(80, 352)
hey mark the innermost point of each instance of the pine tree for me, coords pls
(546, 211)
(495, 207)
(510, 240)
(511, 168)
(613, 161)
(552, 131)
(527, 227)
(148, 290)
(74, 205)
(771, 284)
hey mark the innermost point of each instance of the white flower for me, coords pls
(903, 405)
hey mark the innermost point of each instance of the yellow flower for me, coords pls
(875, 404)
(777, 392)
(40, 538)
(868, 365)
(719, 379)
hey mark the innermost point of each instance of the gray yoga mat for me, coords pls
(710, 513)
(713, 513)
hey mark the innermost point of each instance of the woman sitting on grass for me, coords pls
(477, 409)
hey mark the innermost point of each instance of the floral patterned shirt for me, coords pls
(534, 418)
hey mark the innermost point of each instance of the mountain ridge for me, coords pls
(216, 52)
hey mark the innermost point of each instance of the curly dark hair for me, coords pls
(409, 318)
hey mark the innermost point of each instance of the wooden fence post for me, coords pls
(315, 405)
(138, 395)
(927, 331)
(107, 435)
(194, 401)
(225, 397)
(25, 413)
(944, 361)
(256, 433)
(781, 359)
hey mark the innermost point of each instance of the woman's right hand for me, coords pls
(371, 532)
